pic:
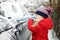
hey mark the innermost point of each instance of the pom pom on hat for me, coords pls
(49, 9)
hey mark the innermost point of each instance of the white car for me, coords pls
(14, 11)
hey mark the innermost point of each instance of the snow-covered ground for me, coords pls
(52, 37)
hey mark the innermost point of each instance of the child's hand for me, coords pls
(36, 21)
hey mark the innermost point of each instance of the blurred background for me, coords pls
(12, 11)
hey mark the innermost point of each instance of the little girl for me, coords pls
(40, 26)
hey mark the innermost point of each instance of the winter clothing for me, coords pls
(42, 12)
(40, 31)
(49, 9)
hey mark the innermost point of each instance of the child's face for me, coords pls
(38, 16)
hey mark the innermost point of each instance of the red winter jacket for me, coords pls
(40, 32)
